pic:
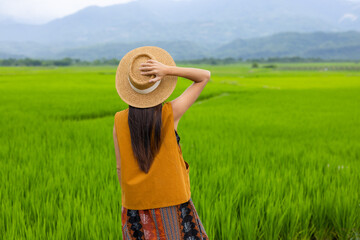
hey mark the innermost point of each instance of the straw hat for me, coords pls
(135, 88)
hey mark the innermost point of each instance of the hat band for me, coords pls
(146, 90)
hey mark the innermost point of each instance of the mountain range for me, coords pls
(193, 29)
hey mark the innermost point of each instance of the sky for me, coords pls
(42, 11)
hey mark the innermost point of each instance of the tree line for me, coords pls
(57, 62)
(211, 61)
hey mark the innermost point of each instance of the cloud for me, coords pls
(355, 3)
(348, 16)
(41, 11)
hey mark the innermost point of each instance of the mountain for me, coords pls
(344, 45)
(204, 22)
(192, 29)
(179, 50)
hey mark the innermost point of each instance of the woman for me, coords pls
(154, 177)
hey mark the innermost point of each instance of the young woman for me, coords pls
(154, 177)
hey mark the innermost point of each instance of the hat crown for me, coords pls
(138, 80)
(146, 94)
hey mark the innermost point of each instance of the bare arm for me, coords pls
(181, 104)
(117, 154)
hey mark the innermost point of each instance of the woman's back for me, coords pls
(167, 181)
(155, 185)
(173, 221)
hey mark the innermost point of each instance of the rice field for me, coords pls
(272, 154)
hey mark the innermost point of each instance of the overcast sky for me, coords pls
(41, 11)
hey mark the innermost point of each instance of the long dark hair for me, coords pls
(145, 132)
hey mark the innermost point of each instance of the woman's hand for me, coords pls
(153, 67)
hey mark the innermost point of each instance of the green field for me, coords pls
(273, 154)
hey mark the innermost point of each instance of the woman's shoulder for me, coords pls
(167, 107)
(167, 104)
(117, 114)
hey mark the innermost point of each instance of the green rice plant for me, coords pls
(273, 154)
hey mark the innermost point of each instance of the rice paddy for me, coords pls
(273, 154)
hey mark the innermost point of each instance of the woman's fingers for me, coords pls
(154, 79)
(145, 68)
(146, 64)
(148, 68)
(148, 73)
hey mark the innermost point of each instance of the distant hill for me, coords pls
(191, 29)
(178, 50)
(345, 45)
(205, 22)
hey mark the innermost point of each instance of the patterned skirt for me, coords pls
(176, 222)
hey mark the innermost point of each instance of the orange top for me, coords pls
(167, 183)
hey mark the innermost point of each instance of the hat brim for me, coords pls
(157, 96)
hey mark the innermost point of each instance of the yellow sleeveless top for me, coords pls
(167, 183)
